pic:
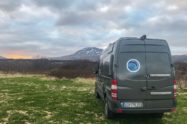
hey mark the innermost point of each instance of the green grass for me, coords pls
(42, 100)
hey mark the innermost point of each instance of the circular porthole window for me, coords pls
(133, 65)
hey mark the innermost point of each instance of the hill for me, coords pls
(89, 53)
(179, 58)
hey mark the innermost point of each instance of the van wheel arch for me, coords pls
(96, 92)
(104, 95)
(107, 112)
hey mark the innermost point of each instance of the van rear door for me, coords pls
(159, 80)
(130, 81)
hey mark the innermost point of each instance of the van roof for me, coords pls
(135, 40)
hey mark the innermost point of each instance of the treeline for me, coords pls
(26, 66)
(74, 69)
(70, 69)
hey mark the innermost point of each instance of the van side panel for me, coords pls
(105, 78)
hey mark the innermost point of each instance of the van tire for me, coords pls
(108, 113)
(97, 95)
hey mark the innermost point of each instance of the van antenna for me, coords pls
(143, 37)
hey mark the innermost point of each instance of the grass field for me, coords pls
(42, 100)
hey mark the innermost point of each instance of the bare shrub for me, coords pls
(181, 74)
(75, 69)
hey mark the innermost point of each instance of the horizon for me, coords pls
(42, 28)
(24, 57)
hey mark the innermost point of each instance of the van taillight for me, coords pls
(114, 88)
(174, 88)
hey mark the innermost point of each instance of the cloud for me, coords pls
(60, 27)
(9, 5)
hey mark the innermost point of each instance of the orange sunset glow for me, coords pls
(18, 56)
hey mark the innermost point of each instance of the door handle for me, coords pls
(152, 88)
(143, 88)
(147, 76)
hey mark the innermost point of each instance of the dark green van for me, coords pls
(136, 75)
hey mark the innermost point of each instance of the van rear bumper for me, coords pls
(115, 106)
(144, 111)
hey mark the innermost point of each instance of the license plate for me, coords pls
(132, 104)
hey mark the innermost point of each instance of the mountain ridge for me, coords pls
(93, 54)
(88, 53)
(179, 58)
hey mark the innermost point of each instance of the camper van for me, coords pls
(136, 75)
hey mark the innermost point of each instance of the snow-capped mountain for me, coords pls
(89, 53)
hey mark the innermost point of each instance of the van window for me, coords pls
(158, 63)
(156, 48)
(106, 63)
(132, 48)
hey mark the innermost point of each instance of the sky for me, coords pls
(48, 28)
